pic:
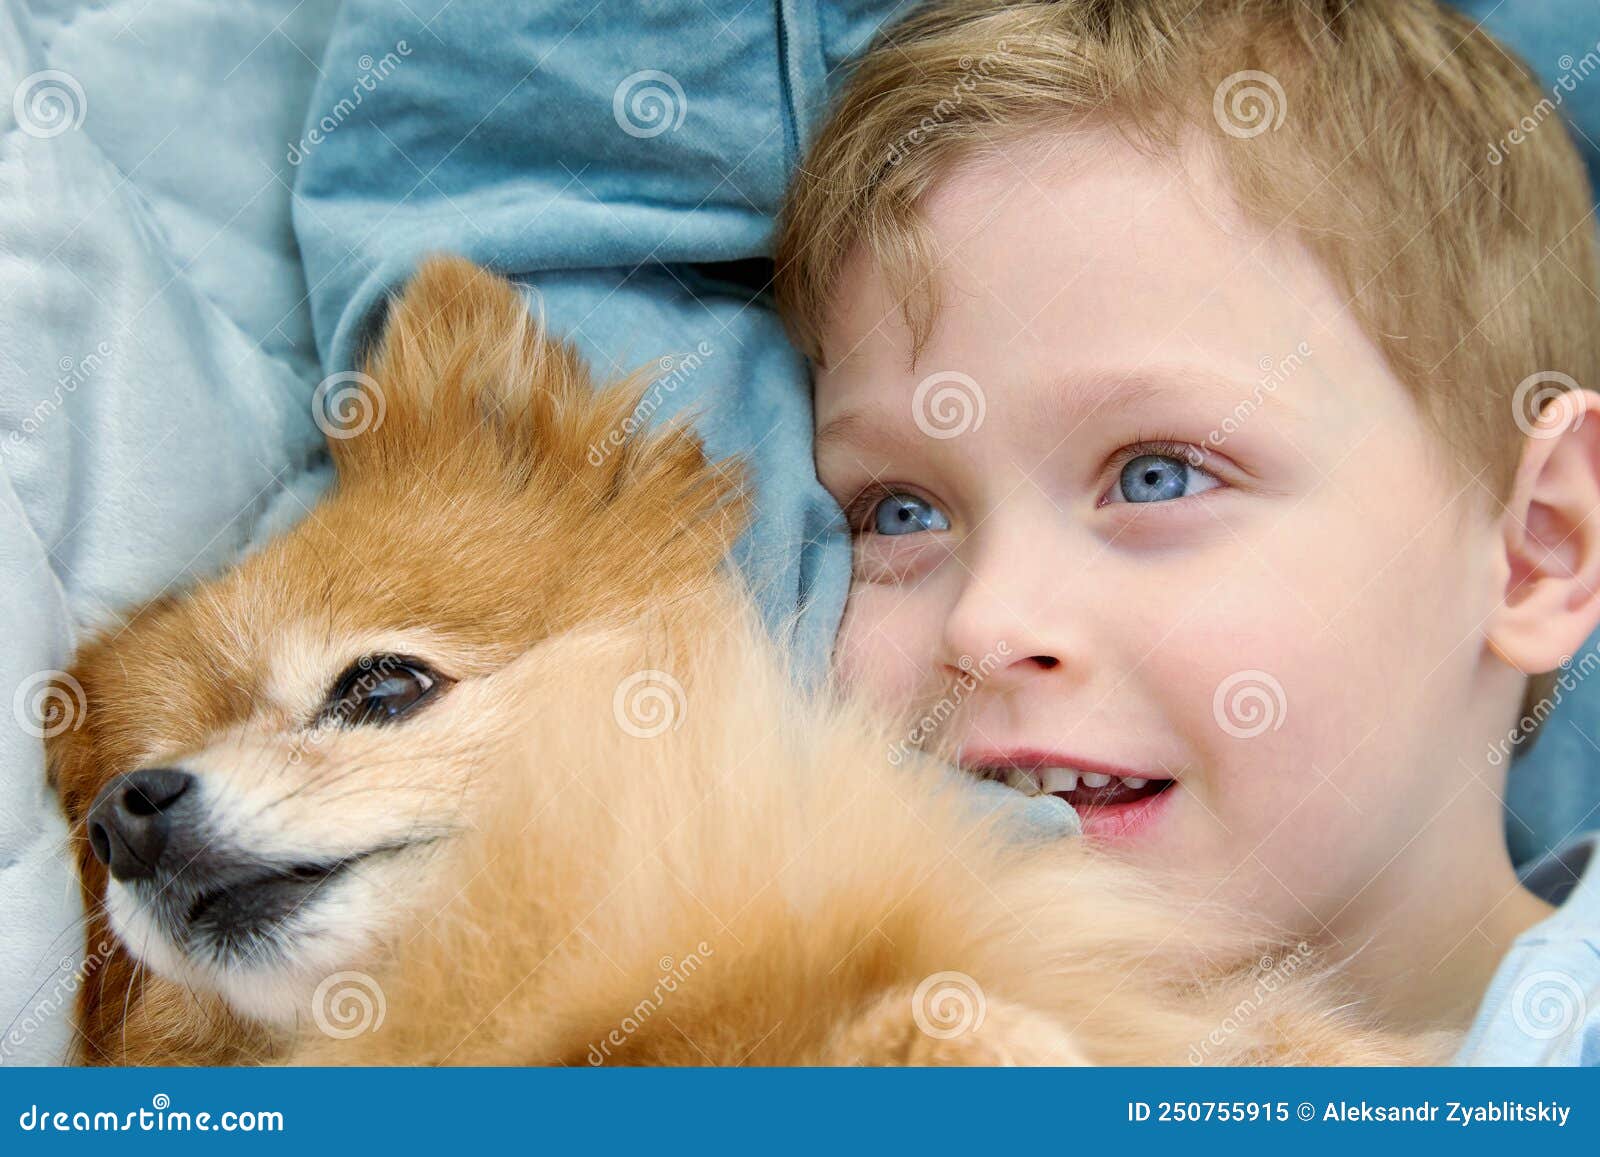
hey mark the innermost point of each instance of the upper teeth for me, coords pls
(1059, 779)
(1022, 781)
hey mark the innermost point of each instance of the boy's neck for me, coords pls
(1447, 995)
(1425, 946)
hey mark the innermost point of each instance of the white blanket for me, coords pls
(156, 367)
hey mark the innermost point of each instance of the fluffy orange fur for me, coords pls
(740, 877)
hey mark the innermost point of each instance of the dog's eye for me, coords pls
(381, 689)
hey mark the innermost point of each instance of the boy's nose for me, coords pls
(1025, 601)
(987, 636)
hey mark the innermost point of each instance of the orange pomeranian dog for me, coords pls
(490, 762)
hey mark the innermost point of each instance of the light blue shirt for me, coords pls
(1543, 1005)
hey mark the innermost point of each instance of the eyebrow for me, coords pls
(873, 426)
(848, 427)
(1068, 403)
(1072, 401)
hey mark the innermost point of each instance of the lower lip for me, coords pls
(1124, 823)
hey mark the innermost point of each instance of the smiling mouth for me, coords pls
(1084, 790)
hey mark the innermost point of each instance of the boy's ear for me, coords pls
(1551, 535)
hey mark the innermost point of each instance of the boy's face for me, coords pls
(1181, 519)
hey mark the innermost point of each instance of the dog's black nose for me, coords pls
(132, 818)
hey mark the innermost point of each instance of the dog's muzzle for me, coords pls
(153, 831)
(132, 821)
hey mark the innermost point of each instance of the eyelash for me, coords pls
(1187, 452)
(859, 507)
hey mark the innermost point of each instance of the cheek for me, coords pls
(1318, 683)
(1257, 686)
(888, 643)
(1259, 695)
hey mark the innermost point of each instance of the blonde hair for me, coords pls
(1377, 130)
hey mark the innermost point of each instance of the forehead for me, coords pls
(333, 583)
(1068, 257)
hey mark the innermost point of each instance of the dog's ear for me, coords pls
(465, 384)
(459, 355)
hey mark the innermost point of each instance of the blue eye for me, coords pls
(1159, 478)
(905, 514)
